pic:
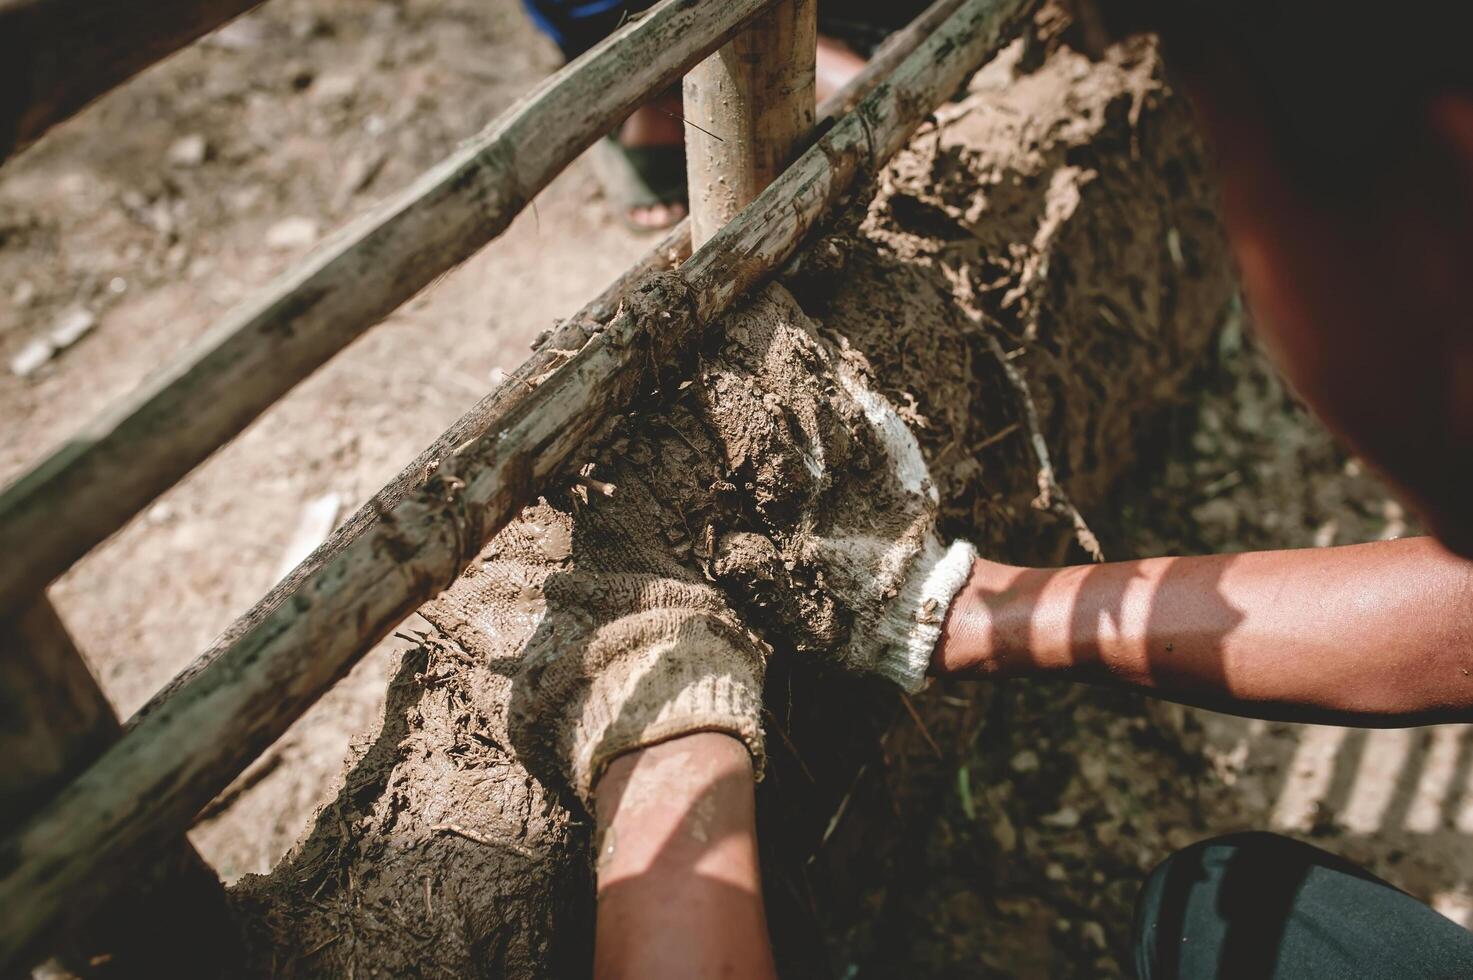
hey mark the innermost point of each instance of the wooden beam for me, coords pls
(56, 56)
(54, 722)
(140, 446)
(748, 108)
(149, 786)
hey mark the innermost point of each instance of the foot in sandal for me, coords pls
(642, 168)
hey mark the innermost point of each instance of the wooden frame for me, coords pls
(145, 442)
(420, 532)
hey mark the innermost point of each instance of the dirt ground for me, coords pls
(309, 111)
(175, 196)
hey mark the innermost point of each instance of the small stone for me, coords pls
(334, 87)
(29, 359)
(1093, 935)
(310, 26)
(1066, 818)
(1180, 837)
(299, 75)
(189, 151)
(238, 35)
(1025, 762)
(1093, 770)
(1055, 872)
(246, 198)
(1004, 832)
(290, 234)
(161, 513)
(358, 173)
(70, 328)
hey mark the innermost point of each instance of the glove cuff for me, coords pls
(648, 678)
(910, 626)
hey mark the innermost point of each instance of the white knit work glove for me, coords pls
(839, 553)
(620, 643)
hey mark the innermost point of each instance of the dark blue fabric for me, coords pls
(577, 25)
(1257, 906)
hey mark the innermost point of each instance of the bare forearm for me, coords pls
(1376, 634)
(678, 886)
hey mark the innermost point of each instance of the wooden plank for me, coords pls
(144, 443)
(56, 56)
(55, 722)
(150, 785)
(748, 107)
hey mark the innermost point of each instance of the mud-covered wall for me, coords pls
(1060, 214)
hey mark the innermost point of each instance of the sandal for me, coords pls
(640, 177)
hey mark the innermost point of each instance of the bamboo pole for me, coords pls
(145, 442)
(748, 107)
(56, 722)
(56, 56)
(150, 785)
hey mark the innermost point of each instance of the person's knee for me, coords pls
(1202, 864)
(1187, 892)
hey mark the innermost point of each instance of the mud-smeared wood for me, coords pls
(150, 785)
(549, 353)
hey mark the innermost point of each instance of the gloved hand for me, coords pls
(622, 644)
(836, 550)
(780, 475)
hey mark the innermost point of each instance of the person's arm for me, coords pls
(1375, 634)
(678, 888)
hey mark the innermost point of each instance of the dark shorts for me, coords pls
(1257, 906)
(577, 25)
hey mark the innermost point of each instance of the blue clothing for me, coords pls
(577, 25)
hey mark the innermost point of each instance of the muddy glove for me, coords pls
(617, 643)
(839, 553)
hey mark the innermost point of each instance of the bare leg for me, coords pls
(679, 893)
